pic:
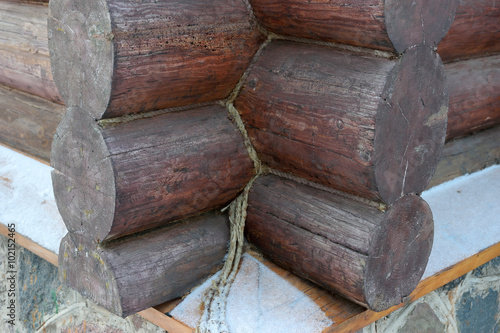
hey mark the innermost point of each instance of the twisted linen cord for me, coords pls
(213, 319)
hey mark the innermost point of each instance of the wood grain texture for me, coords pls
(117, 180)
(467, 155)
(27, 122)
(373, 258)
(24, 52)
(385, 25)
(366, 125)
(474, 88)
(475, 32)
(116, 57)
(135, 273)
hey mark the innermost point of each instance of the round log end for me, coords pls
(85, 270)
(411, 124)
(82, 52)
(420, 22)
(399, 253)
(83, 179)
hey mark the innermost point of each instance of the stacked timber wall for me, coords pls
(349, 117)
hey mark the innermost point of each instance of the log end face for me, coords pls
(410, 124)
(86, 271)
(83, 177)
(82, 52)
(420, 22)
(399, 253)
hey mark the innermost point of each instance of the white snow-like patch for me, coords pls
(259, 301)
(466, 214)
(27, 199)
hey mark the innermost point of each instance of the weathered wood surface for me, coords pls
(116, 57)
(385, 25)
(366, 125)
(475, 32)
(24, 52)
(119, 179)
(135, 273)
(27, 122)
(467, 155)
(373, 258)
(474, 88)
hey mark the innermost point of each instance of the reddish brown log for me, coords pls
(135, 273)
(369, 126)
(475, 32)
(116, 57)
(474, 87)
(119, 179)
(467, 155)
(27, 122)
(24, 52)
(373, 258)
(385, 25)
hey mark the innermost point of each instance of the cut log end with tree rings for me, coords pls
(372, 257)
(366, 125)
(135, 273)
(114, 57)
(114, 180)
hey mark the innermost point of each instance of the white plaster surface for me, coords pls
(27, 199)
(466, 217)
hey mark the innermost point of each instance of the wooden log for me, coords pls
(474, 88)
(475, 32)
(385, 25)
(116, 57)
(373, 258)
(366, 125)
(27, 122)
(467, 155)
(24, 52)
(117, 180)
(135, 273)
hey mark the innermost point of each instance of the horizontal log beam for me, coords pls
(474, 88)
(115, 57)
(385, 25)
(373, 258)
(28, 122)
(370, 126)
(24, 52)
(475, 32)
(467, 155)
(119, 179)
(138, 272)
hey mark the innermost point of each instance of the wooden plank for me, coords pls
(24, 51)
(130, 176)
(474, 88)
(28, 123)
(467, 155)
(148, 55)
(475, 32)
(385, 25)
(365, 125)
(373, 258)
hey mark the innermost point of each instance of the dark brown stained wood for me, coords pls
(117, 180)
(28, 122)
(116, 57)
(385, 25)
(475, 32)
(366, 125)
(467, 155)
(24, 52)
(135, 273)
(474, 87)
(373, 258)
